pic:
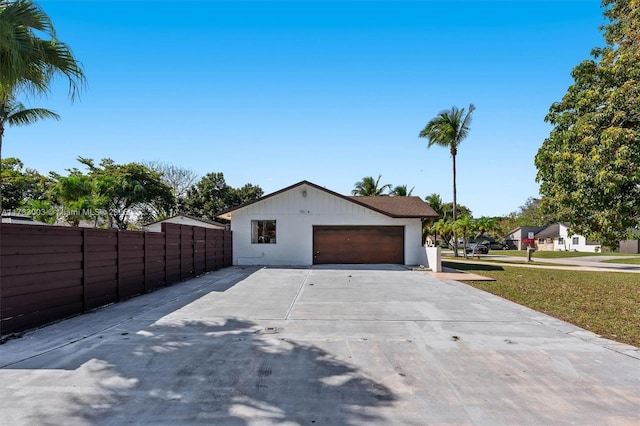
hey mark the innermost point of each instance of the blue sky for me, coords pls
(272, 93)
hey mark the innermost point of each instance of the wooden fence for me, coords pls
(50, 272)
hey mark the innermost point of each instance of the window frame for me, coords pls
(263, 231)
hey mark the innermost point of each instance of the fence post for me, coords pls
(193, 251)
(180, 252)
(206, 268)
(145, 266)
(166, 248)
(85, 295)
(119, 265)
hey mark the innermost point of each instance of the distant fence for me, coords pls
(51, 272)
(630, 246)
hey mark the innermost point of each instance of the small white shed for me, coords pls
(185, 220)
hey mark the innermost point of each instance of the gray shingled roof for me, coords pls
(549, 232)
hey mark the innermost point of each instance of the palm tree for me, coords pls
(485, 225)
(445, 229)
(31, 54)
(464, 227)
(401, 191)
(14, 113)
(368, 186)
(449, 129)
(435, 201)
(30, 57)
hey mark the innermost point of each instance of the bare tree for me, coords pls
(179, 179)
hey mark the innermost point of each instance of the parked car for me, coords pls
(495, 245)
(477, 249)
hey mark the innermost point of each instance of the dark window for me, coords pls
(263, 231)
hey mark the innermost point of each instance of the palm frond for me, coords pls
(30, 53)
(29, 116)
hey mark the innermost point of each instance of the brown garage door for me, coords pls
(358, 244)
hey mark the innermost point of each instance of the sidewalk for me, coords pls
(588, 263)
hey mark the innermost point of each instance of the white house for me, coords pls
(185, 220)
(522, 237)
(556, 238)
(306, 224)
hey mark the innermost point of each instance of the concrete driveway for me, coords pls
(323, 345)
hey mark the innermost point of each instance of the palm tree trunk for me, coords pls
(455, 216)
(455, 204)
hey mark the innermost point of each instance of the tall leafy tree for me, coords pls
(212, 195)
(31, 55)
(76, 194)
(123, 191)
(369, 186)
(247, 192)
(448, 129)
(589, 166)
(209, 196)
(532, 213)
(447, 210)
(20, 185)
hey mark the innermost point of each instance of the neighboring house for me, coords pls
(522, 237)
(306, 224)
(185, 220)
(556, 238)
(20, 219)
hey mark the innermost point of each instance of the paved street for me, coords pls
(586, 263)
(324, 345)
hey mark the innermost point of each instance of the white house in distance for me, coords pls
(185, 220)
(522, 237)
(305, 224)
(556, 238)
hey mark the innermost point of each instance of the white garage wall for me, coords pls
(295, 215)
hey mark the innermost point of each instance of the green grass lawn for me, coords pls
(606, 303)
(628, 261)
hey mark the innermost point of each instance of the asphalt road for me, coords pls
(586, 263)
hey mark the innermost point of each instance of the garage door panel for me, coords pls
(358, 244)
